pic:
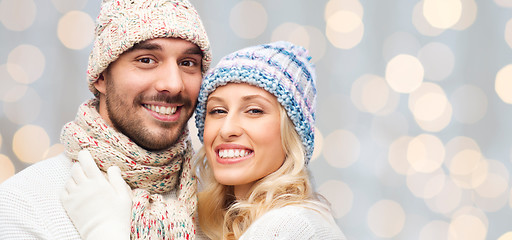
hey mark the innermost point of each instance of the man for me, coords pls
(145, 71)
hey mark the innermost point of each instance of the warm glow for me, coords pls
(442, 13)
(386, 218)
(248, 19)
(73, 37)
(30, 143)
(503, 84)
(404, 73)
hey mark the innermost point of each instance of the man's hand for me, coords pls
(100, 208)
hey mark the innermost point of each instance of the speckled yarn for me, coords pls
(148, 173)
(281, 68)
(123, 23)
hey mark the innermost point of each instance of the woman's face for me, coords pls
(242, 135)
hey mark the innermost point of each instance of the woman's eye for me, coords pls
(216, 111)
(146, 60)
(255, 111)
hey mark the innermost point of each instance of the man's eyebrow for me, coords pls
(145, 46)
(194, 50)
(153, 46)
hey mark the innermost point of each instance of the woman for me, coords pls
(255, 116)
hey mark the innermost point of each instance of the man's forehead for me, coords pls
(155, 44)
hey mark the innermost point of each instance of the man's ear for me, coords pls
(101, 84)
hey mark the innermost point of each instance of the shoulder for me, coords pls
(40, 182)
(50, 170)
(294, 222)
(29, 200)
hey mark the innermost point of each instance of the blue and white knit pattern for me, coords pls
(281, 68)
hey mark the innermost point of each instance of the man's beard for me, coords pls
(126, 119)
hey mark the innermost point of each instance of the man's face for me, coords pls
(150, 92)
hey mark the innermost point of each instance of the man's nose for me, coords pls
(170, 80)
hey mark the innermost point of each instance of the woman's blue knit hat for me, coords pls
(281, 68)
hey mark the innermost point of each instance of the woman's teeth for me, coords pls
(161, 109)
(233, 153)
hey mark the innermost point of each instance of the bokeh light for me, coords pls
(404, 73)
(341, 148)
(503, 84)
(319, 144)
(430, 107)
(386, 218)
(446, 200)
(334, 6)
(10, 14)
(344, 25)
(370, 93)
(309, 37)
(467, 227)
(53, 151)
(436, 229)
(30, 143)
(442, 13)
(506, 236)
(397, 155)
(26, 63)
(6, 168)
(425, 153)
(421, 24)
(508, 33)
(468, 15)
(339, 195)
(425, 185)
(73, 37)
(248, 13)
(504, 3)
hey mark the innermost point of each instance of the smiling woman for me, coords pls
(255, 114)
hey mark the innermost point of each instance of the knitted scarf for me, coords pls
(148, 173)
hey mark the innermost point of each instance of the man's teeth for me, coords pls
(233, 153)
(161, 109)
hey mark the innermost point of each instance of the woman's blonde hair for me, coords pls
(221, 216)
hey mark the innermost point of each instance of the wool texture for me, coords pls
(148, 173)
(124, 23)
(282, 69)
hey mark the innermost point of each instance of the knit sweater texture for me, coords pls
(294, 222)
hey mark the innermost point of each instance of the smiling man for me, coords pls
(145, 72)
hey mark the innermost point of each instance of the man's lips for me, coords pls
(163, 110)
(163, 113)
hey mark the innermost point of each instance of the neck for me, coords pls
(242, 191)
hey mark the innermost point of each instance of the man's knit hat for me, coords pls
(124, 23)
(282, 69)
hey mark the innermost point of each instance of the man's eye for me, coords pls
(146, 60)
(188, 63)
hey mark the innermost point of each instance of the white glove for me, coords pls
(99, 208)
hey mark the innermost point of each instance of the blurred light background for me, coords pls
(414, 136)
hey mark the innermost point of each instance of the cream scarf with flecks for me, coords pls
(148, 173)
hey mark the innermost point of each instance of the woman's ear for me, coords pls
(101, 84)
